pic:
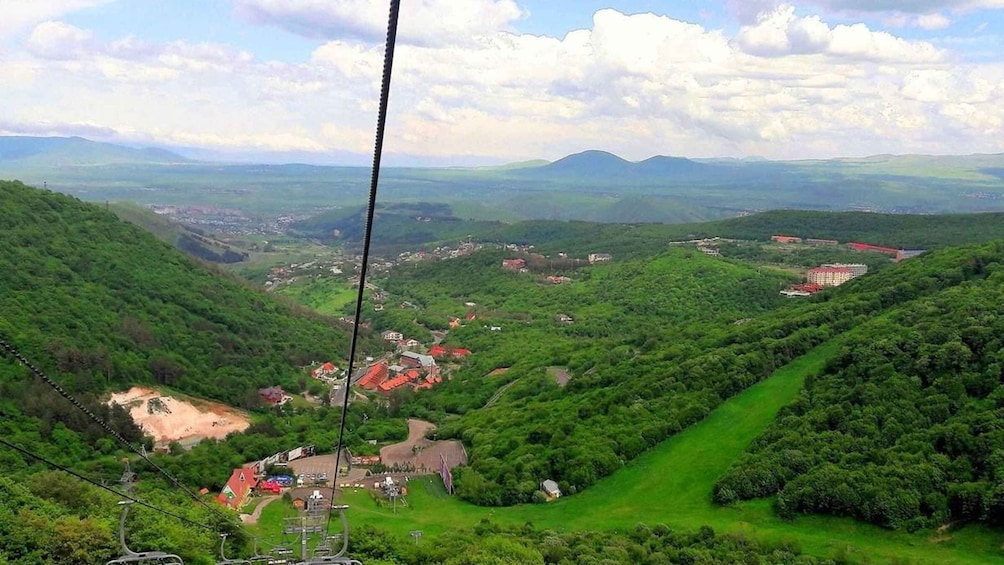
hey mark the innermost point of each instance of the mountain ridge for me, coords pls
(25, 151)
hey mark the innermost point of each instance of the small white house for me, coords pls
(551, 489)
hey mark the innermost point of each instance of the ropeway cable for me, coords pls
(123, 495)
(388, 64)
(13, 351)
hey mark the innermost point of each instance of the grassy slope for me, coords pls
(672, 483)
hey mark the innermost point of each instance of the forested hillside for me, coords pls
(416, 224)
(621, 314)
(103, 304)
(657, 365)
(892, 230)
(904, 428)
(192, 241)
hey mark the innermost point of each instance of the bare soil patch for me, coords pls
(422, 453)
(169, 419)
(560, 374)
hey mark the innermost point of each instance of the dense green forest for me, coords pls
(104, 304)
(100, 304)
(489, 544)
(625, 315)
(408, 225)
(640, 240)
(904, 427)
(643, 366)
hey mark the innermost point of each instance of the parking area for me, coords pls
(317, 471)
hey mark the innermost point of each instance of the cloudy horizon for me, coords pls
(491, 81)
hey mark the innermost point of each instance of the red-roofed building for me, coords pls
(274, 395)
(375, 376)
(400, 380)
(439, 352)
(786, 239)
(324, 370)
(239, 486)
(854, 246)
(470, 316)
(810, 288)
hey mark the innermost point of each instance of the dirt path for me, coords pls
(253, 517)
(421, 453)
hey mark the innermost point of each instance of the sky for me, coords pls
(493, 81)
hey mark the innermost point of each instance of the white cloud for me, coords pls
(784, 86)
(56, 40)
(17, 15)
(935, 20)
(425, 22)
(781, 32)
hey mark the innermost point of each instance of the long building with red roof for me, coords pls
(375, 376)
(856, 246)
(439, 352)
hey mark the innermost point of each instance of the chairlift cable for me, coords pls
(388, 64)
(13, 351)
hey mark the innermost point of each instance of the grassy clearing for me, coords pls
(671, 484)
(327, 296)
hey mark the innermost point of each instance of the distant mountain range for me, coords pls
(591, 164)
(591, 185)
(18, 152)
(39, 152)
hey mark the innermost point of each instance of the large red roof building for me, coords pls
(375, 376)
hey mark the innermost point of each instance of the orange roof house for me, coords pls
(239, 486)
(375, 376)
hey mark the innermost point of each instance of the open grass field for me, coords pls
(327, 295)
(672, 484)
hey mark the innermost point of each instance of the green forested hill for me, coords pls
(892, 230)
(192, 241)
(98, 303)
(103, 304)
(647, 356)
(905, 428)
(635, 326)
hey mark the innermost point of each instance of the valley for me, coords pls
(643, 370)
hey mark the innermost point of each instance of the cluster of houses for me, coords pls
(399, 339)
(413, 370)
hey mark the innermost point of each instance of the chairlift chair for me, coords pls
(223, 558)
(338, 558)
(130, 557)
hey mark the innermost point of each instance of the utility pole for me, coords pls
(303, 538)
